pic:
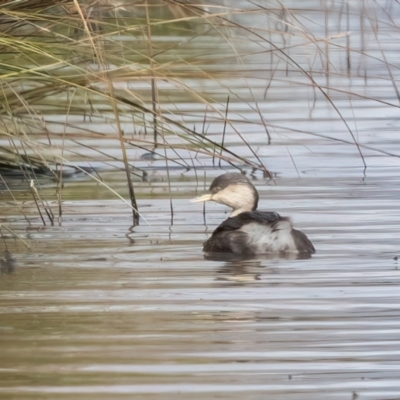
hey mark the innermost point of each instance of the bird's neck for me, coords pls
(242, 199)
(240, 210)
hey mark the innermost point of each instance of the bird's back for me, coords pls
(258, 232)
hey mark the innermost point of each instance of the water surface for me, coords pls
(89, 313)
(98, 309)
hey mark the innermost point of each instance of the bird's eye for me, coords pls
(215, 189)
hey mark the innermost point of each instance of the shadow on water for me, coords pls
(7, 263)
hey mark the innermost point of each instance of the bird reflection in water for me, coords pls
(245, 269)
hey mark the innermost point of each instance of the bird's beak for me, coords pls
(205, 197)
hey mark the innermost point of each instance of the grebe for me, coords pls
(248, 231)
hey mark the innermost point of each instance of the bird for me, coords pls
(249, 231)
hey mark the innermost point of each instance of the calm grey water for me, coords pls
(87, 314)
(99, 310)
